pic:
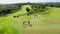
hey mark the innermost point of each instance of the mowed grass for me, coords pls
(43, 24)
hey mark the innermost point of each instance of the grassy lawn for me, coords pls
(44, 24)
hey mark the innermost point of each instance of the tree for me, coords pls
(28, 10)
(9, 8)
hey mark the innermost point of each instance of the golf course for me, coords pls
(48, 23)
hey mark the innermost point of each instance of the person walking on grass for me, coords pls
(29, 23)
(26, 23)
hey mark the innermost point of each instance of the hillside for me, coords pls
(43, 24)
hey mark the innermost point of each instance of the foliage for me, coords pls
(38, 8)
(9, 8)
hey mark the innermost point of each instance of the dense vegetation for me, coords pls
(9, 8)
(38, 8)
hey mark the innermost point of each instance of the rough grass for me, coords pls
(43, 24)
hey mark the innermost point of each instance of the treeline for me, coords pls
(9, 8)
(37, 8)
(52, 4)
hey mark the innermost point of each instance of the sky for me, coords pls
(25, 1)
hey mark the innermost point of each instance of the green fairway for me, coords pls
(43, 24)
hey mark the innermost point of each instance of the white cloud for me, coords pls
(23, 1)
(16, 1)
